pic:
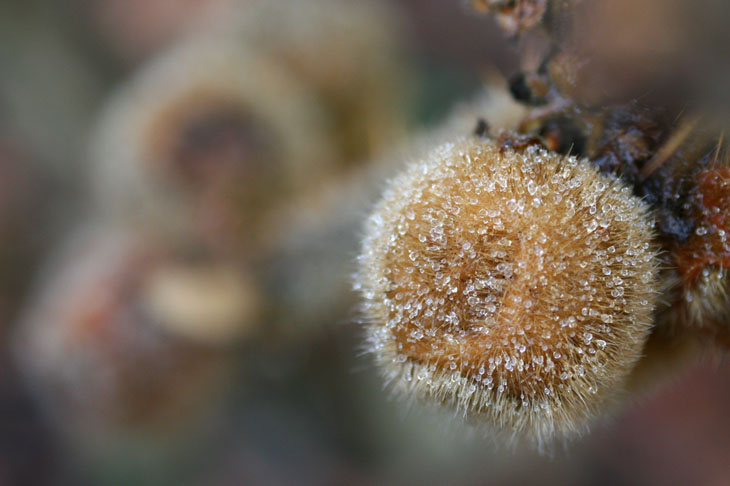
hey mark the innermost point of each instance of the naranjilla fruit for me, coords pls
(129, 336)
(706, 259)
(515, 285)
(703, 261)
(205, 140)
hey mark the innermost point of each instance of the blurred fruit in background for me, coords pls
(205, 141)
(127, 335)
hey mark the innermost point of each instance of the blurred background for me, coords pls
(182, 184)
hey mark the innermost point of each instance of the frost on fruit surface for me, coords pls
(514, 286)
(704, 259)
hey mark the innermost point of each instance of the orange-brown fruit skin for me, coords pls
(709, 245)
(703, 261)
(517, 286)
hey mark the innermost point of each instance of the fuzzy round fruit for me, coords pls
(703, 262)
(517, 286)
(207, 139)
(128, 335)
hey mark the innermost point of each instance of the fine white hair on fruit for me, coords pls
(516, 286)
